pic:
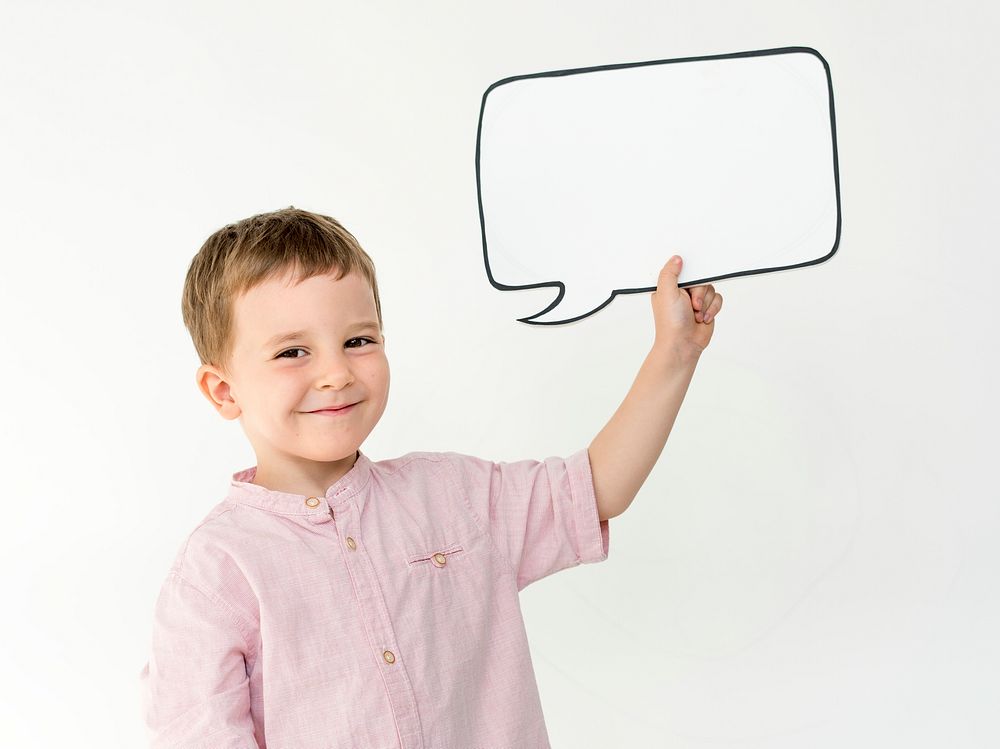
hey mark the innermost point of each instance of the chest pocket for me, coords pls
(451, 585)
(446, 589)
(442, 576)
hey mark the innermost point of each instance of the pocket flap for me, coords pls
(424, 556)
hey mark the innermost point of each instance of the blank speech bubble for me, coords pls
(589, 179)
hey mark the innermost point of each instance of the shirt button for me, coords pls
(439, 559)
(351, 544)
(389, 657)
(312, 502)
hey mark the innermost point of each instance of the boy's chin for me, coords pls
(328, 453)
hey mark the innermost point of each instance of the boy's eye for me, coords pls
(288, 351)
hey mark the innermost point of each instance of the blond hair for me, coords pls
(242, 255)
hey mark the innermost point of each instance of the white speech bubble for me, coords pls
(589, 179)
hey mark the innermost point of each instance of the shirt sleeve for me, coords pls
(541, 514)
(194, 687)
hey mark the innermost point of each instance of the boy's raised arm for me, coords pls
(626, 449)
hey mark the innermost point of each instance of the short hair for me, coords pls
(239, 256)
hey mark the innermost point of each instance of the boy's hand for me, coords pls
(684, 318)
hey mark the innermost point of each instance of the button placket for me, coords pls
(349, 541)
(379, 626)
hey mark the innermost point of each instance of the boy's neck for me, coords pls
(309, 479)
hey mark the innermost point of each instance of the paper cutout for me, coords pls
(589, 179)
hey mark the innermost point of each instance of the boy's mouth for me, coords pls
(333, 410)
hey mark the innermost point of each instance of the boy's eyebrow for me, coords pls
(292, 335)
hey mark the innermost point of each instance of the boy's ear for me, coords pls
(212, 384)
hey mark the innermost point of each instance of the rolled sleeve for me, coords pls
(541, 514)
(592, 534)
(195, 687)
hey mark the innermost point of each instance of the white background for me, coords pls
(812, 562)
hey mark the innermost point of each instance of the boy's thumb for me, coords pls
(672, 268)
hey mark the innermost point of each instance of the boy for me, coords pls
(334, 601)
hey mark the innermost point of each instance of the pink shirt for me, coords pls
(384, 615)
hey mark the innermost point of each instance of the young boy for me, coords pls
(330, 600)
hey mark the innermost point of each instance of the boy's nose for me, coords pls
(336, 374)
(335, 381)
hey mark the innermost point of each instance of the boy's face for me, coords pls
(273, 386)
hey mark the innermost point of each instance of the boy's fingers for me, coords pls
(714, 310)
(701, 296)
(708, 298)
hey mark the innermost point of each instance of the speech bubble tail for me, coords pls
(569, 306)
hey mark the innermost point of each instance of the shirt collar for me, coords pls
(351, 484)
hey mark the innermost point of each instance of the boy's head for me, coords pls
(278, 273)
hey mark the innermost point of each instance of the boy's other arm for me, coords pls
(195, 685)
(625, 451)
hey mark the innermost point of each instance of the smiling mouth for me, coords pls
(333, 410)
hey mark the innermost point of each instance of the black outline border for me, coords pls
(700, 281)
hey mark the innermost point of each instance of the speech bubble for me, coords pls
(589, 179)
